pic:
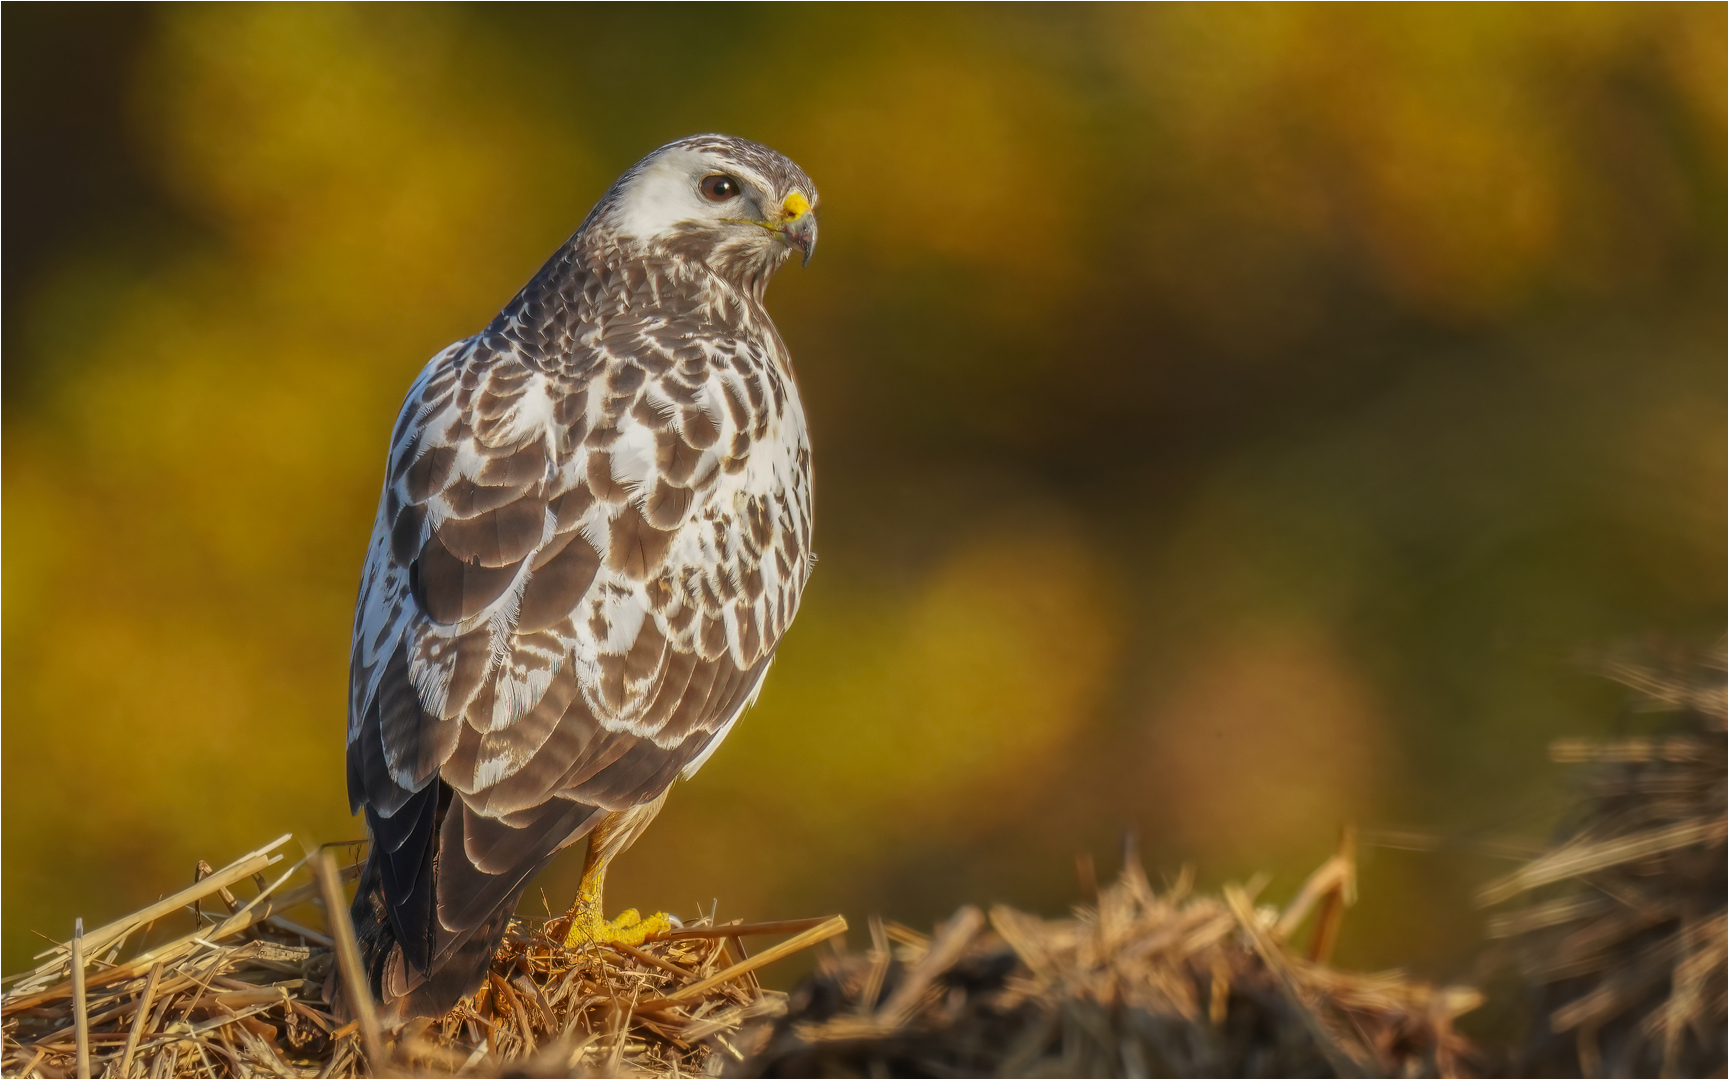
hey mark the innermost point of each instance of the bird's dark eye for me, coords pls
(719, 187)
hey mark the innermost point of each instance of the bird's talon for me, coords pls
(629, 928)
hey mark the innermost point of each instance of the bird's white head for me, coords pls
(736, 205)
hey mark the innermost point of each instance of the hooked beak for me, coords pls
(798, 225)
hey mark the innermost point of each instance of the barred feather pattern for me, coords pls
(594, 530)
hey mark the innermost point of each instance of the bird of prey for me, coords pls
(595, 528)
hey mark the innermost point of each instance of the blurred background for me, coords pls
(1231, 423)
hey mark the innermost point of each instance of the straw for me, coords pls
(821, 932)
(359, 994)
(1621, 941)
(140, 1014)
(1138, 983)
(244, 996)
(80, 1009)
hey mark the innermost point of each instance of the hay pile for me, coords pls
(1621, 938)
(168, 1007)
(242, 995)
(1142, 984)
(1621, 941)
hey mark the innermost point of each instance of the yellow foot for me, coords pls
(630, 928)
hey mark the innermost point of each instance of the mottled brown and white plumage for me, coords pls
(595, 528)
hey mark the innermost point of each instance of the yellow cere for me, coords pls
(795, 206)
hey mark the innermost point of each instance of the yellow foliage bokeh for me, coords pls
(1225, 417)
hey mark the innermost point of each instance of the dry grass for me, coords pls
(242, 995)
(1620, 939)
(1170, 982)
(1166, 981)
(1142, 984)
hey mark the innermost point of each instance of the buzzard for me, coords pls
(595, 528)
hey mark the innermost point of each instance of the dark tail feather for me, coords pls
(464, 969)
(458, 973)
(372, 932)
(422, 955)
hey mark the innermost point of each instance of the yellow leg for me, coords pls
(588, 922)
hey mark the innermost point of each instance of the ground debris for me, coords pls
(1143, 983)
(243, 996)
(1619, 929)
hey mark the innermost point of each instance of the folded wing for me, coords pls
(577, 578)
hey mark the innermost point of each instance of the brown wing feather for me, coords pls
(565, 600)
